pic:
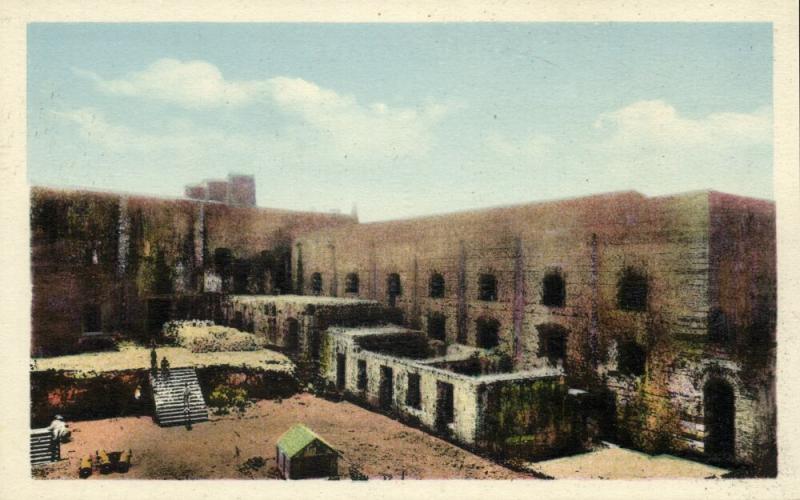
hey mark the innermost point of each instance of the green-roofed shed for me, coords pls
(302, 454)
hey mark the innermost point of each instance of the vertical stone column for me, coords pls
(123, 249)
(299, 278)
(200, 236)
(373, 290)
(461, 319)
(335, 279)
(595, 298)
(199, 231)
(519, 298)
(414, 298)
(123, 243)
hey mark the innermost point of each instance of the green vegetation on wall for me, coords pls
(531, 419)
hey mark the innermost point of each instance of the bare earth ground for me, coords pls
(218, 449)
(131, 357)
(620, 463)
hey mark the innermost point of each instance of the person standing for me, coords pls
(153, 359)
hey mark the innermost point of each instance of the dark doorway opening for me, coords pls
(393, 288)
(631, 358)
(316, 284)
(719, 420)
(241, 272)
(292, 334)
(91, 318)
(632, 291)
(552, 343)
(444, 405)
(487, 332)
(351, 283)
(487, 287)
(436, 286)
(341, 368)
(436, 326)
(413, 396)
(362, 375)
(158, 313)
(553, 290)
(386, 393)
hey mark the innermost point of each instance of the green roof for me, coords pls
(297, 438)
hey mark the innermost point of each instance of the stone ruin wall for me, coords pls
(118, 252)
(672, 240)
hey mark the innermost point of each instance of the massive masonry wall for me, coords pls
(675, 245)
(114, 263)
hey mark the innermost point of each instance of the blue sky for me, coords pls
(403, 119)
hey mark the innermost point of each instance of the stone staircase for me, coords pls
(43, 447)
(168, 396)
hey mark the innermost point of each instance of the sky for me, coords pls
(403, 120)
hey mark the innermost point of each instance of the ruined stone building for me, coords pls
(648, 321)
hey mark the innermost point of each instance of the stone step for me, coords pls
(169, 393)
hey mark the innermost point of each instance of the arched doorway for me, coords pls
(719, 418)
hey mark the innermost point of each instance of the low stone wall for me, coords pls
(112, 394)
(105, 395)
(488, 411)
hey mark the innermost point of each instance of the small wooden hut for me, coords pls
(302, 454)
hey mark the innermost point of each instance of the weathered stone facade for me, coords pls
(662, 309)
(645, 283)
(123, 264)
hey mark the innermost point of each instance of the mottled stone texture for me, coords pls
(132, 262)
(666, 315)
(521, 414)
(698, 254)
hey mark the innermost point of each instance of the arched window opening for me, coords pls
(487, 287)
(631, 358)
(351, 283)
(316, 284)
(488, 333)
(436, 286)
(553, 289)
(223, 259)
(552, 343)
(632, 291)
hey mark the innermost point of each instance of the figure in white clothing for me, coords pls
(59, 429)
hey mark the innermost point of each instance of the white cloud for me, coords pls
(650, 146)
(190, 84)
(659, 124)
(180, 136)
(351, 128)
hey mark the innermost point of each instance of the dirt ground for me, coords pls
(132, 357)
(229, 446)
(620, 463)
